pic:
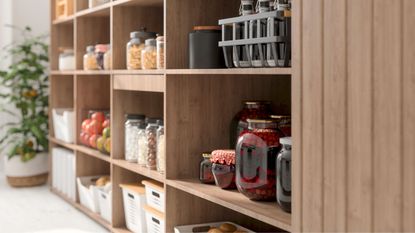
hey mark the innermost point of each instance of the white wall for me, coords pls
(20, 13)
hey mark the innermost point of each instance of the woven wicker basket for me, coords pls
(28, 181)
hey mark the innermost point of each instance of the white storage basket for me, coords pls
(64, 124)
(198, 227)
(88, 192)
(134, 201)
(155, 195)
(104, 200)
(155, 220)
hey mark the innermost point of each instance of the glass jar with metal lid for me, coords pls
(205, 170)
(160, 52)
(90, 61)
(256, 154)
(135, 46)
(132, 124)
(151, 136)
(149, 55)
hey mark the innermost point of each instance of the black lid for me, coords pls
(151, 120)
(160, 122)
(135, 116)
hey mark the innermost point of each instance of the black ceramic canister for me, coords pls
(204, 52)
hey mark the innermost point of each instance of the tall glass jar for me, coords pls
(90, 62)
(135, 46)
(256, 154)
(284, 175)
(131, 136)
(205, 170)
(100, 50)
(142, 145)
(161, 148)
(108, 59)
(149, 55)
(160, 52)
(151, 135)
(251, 110)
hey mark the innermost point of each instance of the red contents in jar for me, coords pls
(223, 168)
(206, 174)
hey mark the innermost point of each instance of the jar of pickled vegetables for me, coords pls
(90, 61)
(149, 55)
(223, 168)
(256, 154)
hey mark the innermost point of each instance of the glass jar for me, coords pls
(251, 110)
(161, 148)
(131, 136)
(284, 124)
(284, 175)
(135, 46)
(256, 155)
(149, 55)
(66, 59)
(223, 168)
(205, 170)
(142, 145)
(108, 59)
(100, 50)
(151, 136)
(160, 52)
(90, 62)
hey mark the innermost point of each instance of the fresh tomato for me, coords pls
(98, 116)
(93, 140)
(106, 123)
(84, 138)
(85, 124)
(94, 127)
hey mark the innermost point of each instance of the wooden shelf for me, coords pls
(62, 143)
(66, 20)
(139, 72)
(93, 153)
(98, 11)
(62, 72)
(93, 72)
(149, 83)
(153, 3)
(134, 167)
(240, 71)
(268, 212)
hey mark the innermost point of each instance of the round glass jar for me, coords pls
(108, 59)
(223, 168)
(161, 148)
(142, 145)
(149, 55)
(256, 155)
(135, 46)
(66, 59)
(205, 170)
(284, 124)
(90, 62)
(132, 123)
(284, 175)
(251, 110)
(160, 52)
(100, 50)
(151, 142)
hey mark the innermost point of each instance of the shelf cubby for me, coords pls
(61, 37)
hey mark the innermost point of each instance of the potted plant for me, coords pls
(24, 94)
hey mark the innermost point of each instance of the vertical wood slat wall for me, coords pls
(356, 134)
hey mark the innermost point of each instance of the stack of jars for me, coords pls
(97, 57)
(145, 142)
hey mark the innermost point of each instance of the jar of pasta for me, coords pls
(90, 61)
(148, 55)
(160, 52)
(135, 46)
(108, 59)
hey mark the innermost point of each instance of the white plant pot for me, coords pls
(15, 167)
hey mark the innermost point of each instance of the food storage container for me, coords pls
(284, 124)
(155, 220)
(142, 145)
(135, 46)
(204, 52)
(256, 154)
(151, 142)
(205, 227)
(134, 201)
(88, 192)
(155, 195)
(108, 59)
(105, 204)
(161, 148)
(284, 175)
(160, 52)
(132, 123)
(149, 55)
(63, 171)
(64, 124)
(66, 59)
(223, 168)
(250, 110)
(90, 61)
(205, 170)
(100, 50)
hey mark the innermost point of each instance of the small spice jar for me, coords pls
(142, 145)
(161, 148)
(108, 59)
(223, 168)
(90, 62)
(100, 50)
(149, 55)
(160, 52)
(135, 47)
(256, 154)
(132, 123)
(284, 175)
(151, 136)
(205, 171)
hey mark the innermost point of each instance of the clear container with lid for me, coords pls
(100, 50)
(161, 148)
(132, 123)
(108, 59)
(205, 170)
(284, 175)
(149, 55)
(160, 52)
(256, 155)
(135, 46)
(66, 59)
(90, 62)
(151, 136)
(142, 145)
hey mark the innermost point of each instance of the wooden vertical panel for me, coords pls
(312, 108)
(335, 114)
(387, 116)
(359, 126)
(408, 117)
(296, 96)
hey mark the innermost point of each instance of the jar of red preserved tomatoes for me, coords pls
(206, 175)
(284, 124)
(251, 110)
(256, 154)
(223, 168)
